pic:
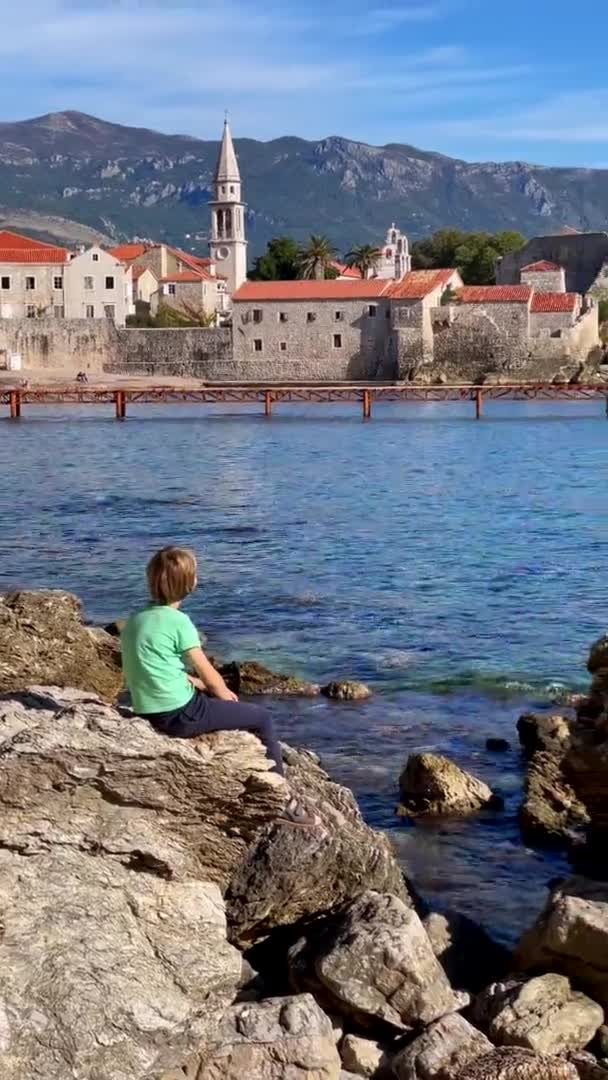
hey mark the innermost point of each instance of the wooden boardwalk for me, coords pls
(19, 399)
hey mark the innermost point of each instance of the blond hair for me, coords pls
(171, 574)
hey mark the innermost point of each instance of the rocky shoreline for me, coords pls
(160, 922)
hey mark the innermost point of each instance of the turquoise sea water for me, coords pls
(458, 567)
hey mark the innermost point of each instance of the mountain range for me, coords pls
(71, 177)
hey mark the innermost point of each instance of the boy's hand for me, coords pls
(227, 695)
(198, 684)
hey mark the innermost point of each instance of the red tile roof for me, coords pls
(545, 303)
(420, 283)
(313, 290)
(185, 275)
(541, 267)
(346, 271)
(127, 252)
(495, 294)
(14, 240)
(35, 256)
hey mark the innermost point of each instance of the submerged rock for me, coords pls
(542, 1014)
(373, 963)
(346, 691)
(44, 640)
(432, 784)
(442, 1052)
(272, 1040)
(250, 678)
(498, 746)
(513, 1063)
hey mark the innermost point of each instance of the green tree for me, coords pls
(279, 262)
(365, 258)
(316, 257)
(437, 251)
(474, 254)
(187, 315)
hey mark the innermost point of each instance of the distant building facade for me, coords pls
(396, 261)
(582, 256)
(97, 286)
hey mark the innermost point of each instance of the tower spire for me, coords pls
(227, 171)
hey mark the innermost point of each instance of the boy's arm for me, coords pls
(212, 679)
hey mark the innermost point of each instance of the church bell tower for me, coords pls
(228, 243)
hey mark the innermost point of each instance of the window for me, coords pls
(109, 311)
(88, 283)
(30, 311)
(30, 283)
(372, 311)
(6, 282)
(337, 341)
(258, 345)
(232, 189)
(58, 283)
(389, 253)
(283, 346)
(282, 316)
(339, 316)
(388, 313)
(90, 311)
(95, 257)
(311, 316)
(59, 311)
(257, 315)
(110, 282)
(171, 288)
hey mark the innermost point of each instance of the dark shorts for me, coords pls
(184, 723)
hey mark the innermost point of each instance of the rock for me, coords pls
(106, 972)
(498, 746)
(551, 814)
(571, 937)
(470, 958)
(513, 1063)
(442, 1052)
(373, 963)
(542, 1014)
(543, 731)
(43, 640)
(602, 1040)
(291, 874)
(587, 1067)
(250, 678)
(432, 784)
(362, 1057)
(277, 1039)
(346, 691)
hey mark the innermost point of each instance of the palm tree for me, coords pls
(316, 257)
(365, 257)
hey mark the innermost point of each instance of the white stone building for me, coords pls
(546, 277)
(97, 286)
(396, 260)
(228, 243)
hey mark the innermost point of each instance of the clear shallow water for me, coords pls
(458, 567)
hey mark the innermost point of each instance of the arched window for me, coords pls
(389, 253)
(220, 224)
(394, 238)
(228, 217)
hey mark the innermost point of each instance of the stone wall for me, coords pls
(574, 343)
(581, 254)
(472, 340)
(545, 281)
(74, 344)
(192, 351)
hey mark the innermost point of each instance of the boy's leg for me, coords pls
(237, 716)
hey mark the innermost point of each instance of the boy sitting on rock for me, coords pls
(158, 641)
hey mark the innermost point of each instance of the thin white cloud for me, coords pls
(579, 117)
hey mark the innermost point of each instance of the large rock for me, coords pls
(106, 972)
(362, 1057)
(587, 1067)
(432, 784)
(373, 962)
(551, 814)
(517, 1064)
(470, 958)
(250, 678)
(346, 690)
(442, 1052)
(291, 873)
(543, 731)
(542, 1014)
(43, 640)
(571, 936)
(277, 1039)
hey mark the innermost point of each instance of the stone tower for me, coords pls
(228, 244)
(396, 260)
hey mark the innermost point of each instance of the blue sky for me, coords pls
(523, 79)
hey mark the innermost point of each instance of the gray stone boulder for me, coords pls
(346, 690)
(277, 1039)
(571, 937)
(432, 784)
(44, 640)
(551, 814)
(373, 963)
(542, 1014)
(442, 1051)
(106, 971)
(513, 1063)
(362, 1057)
(543, 731)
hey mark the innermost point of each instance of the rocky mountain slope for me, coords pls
(123, 182)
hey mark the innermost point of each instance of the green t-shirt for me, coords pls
(153, 643)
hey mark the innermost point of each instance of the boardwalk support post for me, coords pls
(120, 400)
(367, 404)
(478, 404)
(268, 403)
(15, 404)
